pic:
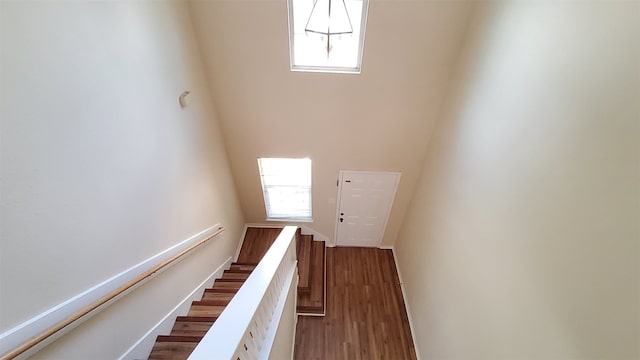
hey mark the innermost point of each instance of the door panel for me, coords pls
(365, 200)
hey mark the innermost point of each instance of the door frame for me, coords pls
(339, 201)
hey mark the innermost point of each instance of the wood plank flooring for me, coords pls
(365, 314)
(303, 246)
(312, 301)
(256, 243)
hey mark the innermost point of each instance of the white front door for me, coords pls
(364, 203)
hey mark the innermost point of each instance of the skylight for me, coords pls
(286, 185)
(341, 51)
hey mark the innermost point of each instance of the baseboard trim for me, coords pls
(404, 298)
(316, 235)
(310, 314)
(241, 242)
(143, 346)
(29, 329)
(262, 225)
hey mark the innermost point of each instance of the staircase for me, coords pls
(190, 329)
(311, 272)
(311, 264)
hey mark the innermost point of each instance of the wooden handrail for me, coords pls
(96, 304)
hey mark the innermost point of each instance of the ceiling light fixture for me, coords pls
(329, 17)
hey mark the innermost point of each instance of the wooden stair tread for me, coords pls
(191, 331)
(221, 290)
(192, 328)
(214, 302)
(241, 267)
(304, 263)
(196, 318)
(173, 338)
(173, 347)
(313, 301)
(172, 350)
(257, 241)
(205, 310)
(245, 263)
(222, 279)
(227, 284)
(210, 295)
(236, 275)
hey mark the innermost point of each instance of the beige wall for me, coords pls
(101, 169)
(379, 120)
(522, 241)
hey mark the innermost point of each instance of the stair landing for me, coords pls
(311, 265)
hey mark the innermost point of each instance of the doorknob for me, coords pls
(341, 219)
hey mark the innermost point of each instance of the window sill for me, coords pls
(291, 220)
(326, 69)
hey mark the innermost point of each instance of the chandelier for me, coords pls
(329, 18)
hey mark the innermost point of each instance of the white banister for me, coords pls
(247, 326)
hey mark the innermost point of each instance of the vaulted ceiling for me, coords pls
(378, 120)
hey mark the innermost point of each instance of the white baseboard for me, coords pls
(31, 328)
(244, 233)
(316, 235)
(142, 347)
(404, 297)
(269, 226)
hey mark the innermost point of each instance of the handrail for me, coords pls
(103, 300)
(246, 327)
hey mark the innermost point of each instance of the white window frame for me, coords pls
(328, 69)
(267, 199)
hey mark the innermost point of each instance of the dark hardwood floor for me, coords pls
(365, 314)
(311, 258)
(312, 301)
(256, 243)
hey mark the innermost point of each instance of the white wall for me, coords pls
(101, 169)
(379, 120)
(522, 241)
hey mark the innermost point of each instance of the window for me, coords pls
(311, 50)
(286, 184)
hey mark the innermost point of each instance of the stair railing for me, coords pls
(103, 301)
(247, 327)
